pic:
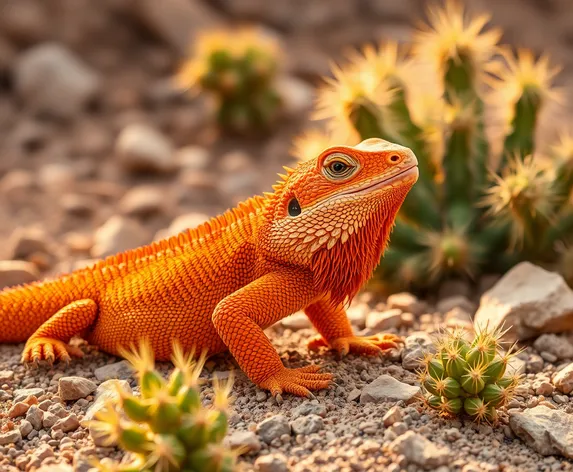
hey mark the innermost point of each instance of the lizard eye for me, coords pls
(294, 207)
(339, 166)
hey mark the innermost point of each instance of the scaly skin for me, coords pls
(218, 286)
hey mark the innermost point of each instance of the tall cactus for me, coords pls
(479, 206)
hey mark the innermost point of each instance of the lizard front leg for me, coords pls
(336, 332)
(241, 317)
(50, 341)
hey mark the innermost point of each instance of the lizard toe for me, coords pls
(299, 382)
(48, 350)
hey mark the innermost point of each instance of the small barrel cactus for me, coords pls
(489, 194)
(468, 376)
(237, 69)
(167, 428)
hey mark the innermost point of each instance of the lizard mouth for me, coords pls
(409, 173)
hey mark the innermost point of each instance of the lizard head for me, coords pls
(333, 214)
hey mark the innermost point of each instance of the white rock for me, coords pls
(50, 79)
(563, 380)
(545, 430)
(383, 320)
(74, 388)
(141, 147)
(528, 299)
(116, 235)
(420, 451)
(387, 389)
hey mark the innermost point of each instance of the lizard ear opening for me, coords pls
(294, 207)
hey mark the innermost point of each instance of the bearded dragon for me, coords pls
(309, 245)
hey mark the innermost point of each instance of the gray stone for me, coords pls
(545, 430)
(74, 388)
(243, 439)
(386, 388)
(307, 424)
(67, 424)
(563, 380)
(10, 437)
(415, 347)
(420, 451)
(35, 416)
(118, 370)
(50, 79)
(142, 148)
(528, 299)
(559, 346)
(25, 428)
(273, 427)
(105, 391)
(23, 393)
(309, 408)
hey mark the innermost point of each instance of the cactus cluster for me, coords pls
(489, 193)
(166, 428)
(469, 377)
(237, 69)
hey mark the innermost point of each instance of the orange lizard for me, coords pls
(309, 245)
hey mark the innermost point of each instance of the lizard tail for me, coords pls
(24, 308)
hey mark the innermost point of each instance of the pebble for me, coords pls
(104, 392)
(243, 439)
(182, 223)
(35, 416)
(393, 415)
(25, 428)
(563, 380)
(67, 424)
(142, 201)
(460, 302)
(544, 388)
(557, 346)
(10, 437)
(18, 409)
(116, 235)
(405, 301)
(384, 320)
(23, 393)
(420, 451)
(307, 424)
(271, 463)
(74, 388)
(387, 388)
(142, 148)
(415, 347)
(17, 272)
(118, 370)
(309, 408)
(273, 427)
(51, 79)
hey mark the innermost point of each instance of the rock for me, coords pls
(271, 463)
(51, 80)
(515, 365)
(563, 380)
(192, 157)
(559, 346)
(49, 420)
(142, 148)
(74, 388)
(357, 315)
(393, 415)
(457, 301)
(307, 424)
(459, 318)
(35, 416)
(43, 451)
(387, 389)
(273, 427)
(143, 201)
(10, 437)
(415, 347)
(296, 321)
(67, 424)
(118, 234)
(18, 409)
(23, 393)
(25, 242)
(406, 302)
(6, 376)
(175, 21)
(309, 408)
(25, 428)
(243, 439)
(57, 467)
(182, 223)
(545, 430)
(383, 320)
(4, 396)
(118, 370)
(17, 272)
(528, 299)
(420, 451)
(105, 391)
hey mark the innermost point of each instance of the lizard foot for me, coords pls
(362, 345)
(48, 349)
(297, 381)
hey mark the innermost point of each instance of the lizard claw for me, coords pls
(297, 381)
(49, 350)
(362, 345)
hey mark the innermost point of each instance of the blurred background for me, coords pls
(101, 151)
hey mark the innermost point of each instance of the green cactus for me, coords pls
(468, 377)
(486, 198)
(237, 69)
(166, 428)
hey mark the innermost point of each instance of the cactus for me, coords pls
(166, 428)
(237, 69)
(469, 377)
(487, 197)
